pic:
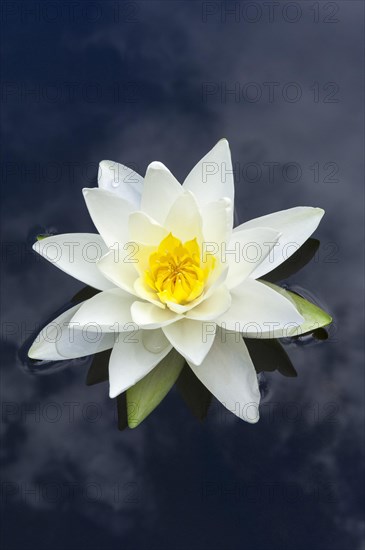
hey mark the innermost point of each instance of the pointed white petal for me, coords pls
(109, 213)
(211, 308)
(296, 225)
(61, 340)
(212, 178)
(108, 311)
(121, 180)
(144, 230)
(149, 316)
(134, 355)
(257, 308)
(76, 254)
(193, 339)
(229, 374)
(160, 191)
(119, 266)
(184, 219)
(246, 250)
(217, 221)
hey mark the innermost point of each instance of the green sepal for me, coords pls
(143, 397)
(314, 316)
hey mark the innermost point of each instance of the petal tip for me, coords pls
(31, 353)
(106, 163)
(34, 352)
(156, 165)
(113, 393)
(253, 420)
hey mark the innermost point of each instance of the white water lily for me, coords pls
(175, 275)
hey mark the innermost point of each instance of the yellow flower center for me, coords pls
(176, 271)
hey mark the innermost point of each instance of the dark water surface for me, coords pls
(136, 82)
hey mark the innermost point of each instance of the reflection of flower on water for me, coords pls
(179, 287)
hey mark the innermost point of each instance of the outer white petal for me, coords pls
(160, 191)
(144, 230)
(193, 339)
(109, 311)
(149, 316)
(109, 213)
(118, 266)
(211, 308)
(184, 218)
(76, 254)
(217, 221)
(296, 225)
(256, 308)
(58, 340)
(246, 250)
(134, 355)
(121, 180)
(212, 178)
(229, 374)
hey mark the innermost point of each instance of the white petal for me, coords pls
(144, 230)
(143, 292)
(212, 178)
(296, 225)
(76, 254)
(217, 221)
(60, 340)
(109, 311)
(121, 180)
(118, 266)
(246, 250)
(184, 219)
(256, 309)
(229, 374)
(193, 339)
(149, 316)
(212, 307)
(160, 191)
(109, 213)
(134, 355)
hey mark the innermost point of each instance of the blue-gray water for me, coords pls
(142, 81)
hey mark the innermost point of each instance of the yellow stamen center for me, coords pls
(176, 271)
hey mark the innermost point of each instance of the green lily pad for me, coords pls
(143, 397)
(314, 316)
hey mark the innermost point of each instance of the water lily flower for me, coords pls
(177, 282)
